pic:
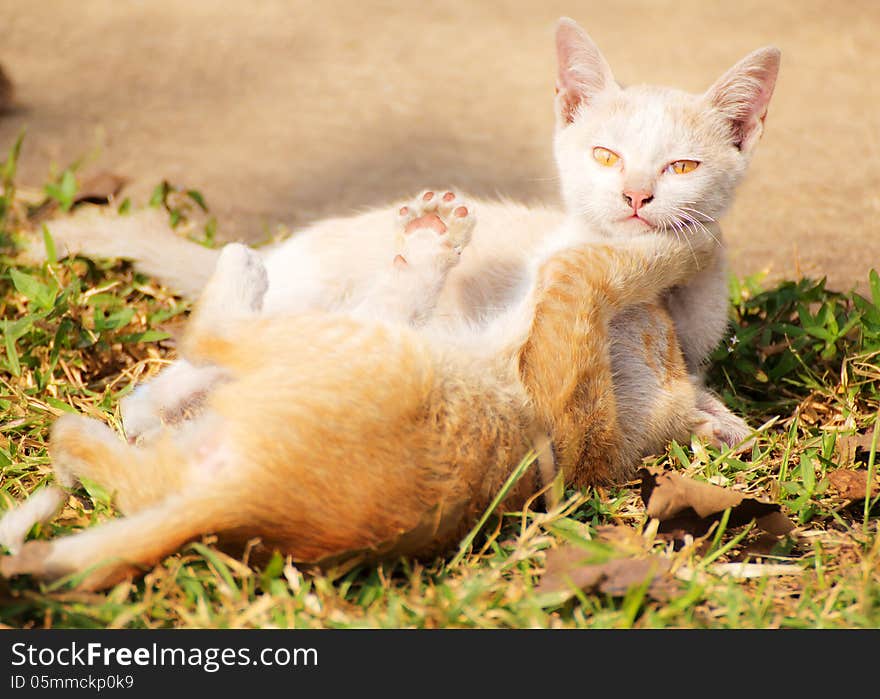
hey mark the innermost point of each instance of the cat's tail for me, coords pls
(143, 237)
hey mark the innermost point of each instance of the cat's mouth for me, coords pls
(638, 220)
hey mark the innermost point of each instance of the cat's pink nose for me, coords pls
(637, 199)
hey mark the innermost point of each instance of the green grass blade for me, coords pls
(512, 479)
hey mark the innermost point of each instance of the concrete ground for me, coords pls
(290, 111)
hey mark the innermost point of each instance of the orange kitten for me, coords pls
(332, 436)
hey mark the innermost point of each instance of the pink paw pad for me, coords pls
(442, 212)
(432, 221)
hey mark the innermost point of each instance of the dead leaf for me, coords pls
(100, 188)
(847, 446)
(683, 504)
(622, 538)
(775, 523)
(761, 546)
(568, 569)
(852, 485)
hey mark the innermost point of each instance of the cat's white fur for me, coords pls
(335, 263)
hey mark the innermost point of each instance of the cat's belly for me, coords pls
(478, 293)
(494, 269)
(334, 261)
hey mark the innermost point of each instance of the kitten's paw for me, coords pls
(434, 226)
(140, 417)
(718, 425)
(239, 282)
(31, 559)
(69, 436)
(167, 401)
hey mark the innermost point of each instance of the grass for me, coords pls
(78, 333)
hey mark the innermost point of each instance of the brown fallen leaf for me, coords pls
(622, 538)
(568, 568)
(761, 546)
(685, 505)
(100, 188)
(848, 446)
(852, 485)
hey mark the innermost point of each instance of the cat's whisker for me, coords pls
(704, 215)
(663, 222)
(664, 226)
(680, 227)
(708, 232)
(695, 221)
(689, 205)
(691, 220)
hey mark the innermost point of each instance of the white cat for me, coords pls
(631, 161)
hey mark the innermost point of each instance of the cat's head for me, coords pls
(642, 158)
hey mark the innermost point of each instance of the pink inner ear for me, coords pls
(582, 70)
(744, 92)
(567, 103)
(568, 39)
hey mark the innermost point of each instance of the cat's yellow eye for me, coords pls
(605, 157)
(682, 167)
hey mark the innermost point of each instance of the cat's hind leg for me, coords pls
(41, 506)
(431, 232)
(114, 550)
(237, 287)
(81, 447)
(235, 290)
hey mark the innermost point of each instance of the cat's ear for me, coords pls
(582, 71)
(743, 93)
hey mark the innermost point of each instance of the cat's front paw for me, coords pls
(434, 228)
(140, 417)
(718, 425)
